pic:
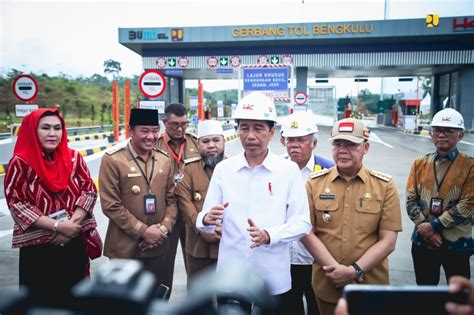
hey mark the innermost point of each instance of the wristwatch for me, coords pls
(359, 272)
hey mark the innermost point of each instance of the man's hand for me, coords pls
(215, 215)
(456, 284)
(210, 237)
(259, 237)
(425, 230)
(340, 275)
(435, 240)
(60, 240)
(68, 228)
(152, 237)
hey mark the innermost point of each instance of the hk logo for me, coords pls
(248, 107)
(432, 20)
(446, 118)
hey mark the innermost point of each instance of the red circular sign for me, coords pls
(152, 83)
(212, 61)
(301, 98)
(25, 87)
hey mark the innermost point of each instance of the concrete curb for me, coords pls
(97, 136)
(229, 138)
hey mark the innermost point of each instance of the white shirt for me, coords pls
(274, 197)
(299, 254)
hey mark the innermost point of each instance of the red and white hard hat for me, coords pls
(256, 106)
(448, 117)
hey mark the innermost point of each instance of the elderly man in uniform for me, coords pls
(440, 199)
(179, 146)
(300, 136)
(137, 195)
(259, 199)
(356, 218)
(201, 248)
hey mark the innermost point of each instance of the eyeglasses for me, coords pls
(446, 131)
(176, 125)
(347, 145)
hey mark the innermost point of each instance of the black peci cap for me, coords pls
(145, 117)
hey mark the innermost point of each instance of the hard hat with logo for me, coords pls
(448, 117)
(209, 128)
(299, 124)
(256, 106)
(350, 129)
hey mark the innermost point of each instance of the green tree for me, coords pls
(92, 113)
(112, 67)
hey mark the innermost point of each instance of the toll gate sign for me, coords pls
(265, 79)
(25, 87)
(152, 83)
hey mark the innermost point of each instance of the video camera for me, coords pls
(123, 287)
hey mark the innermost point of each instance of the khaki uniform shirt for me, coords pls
(191, 192)
(122, 191)
(358, 210)
(190, 149)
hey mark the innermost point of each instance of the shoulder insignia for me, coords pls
(161, 151)
(319, 173)
(115, 149)
(382, 176)
(192, 135)
(193, 159)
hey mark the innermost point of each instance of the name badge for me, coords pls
(150, 204)
(326, 196)
(436, 206)
(134, 175)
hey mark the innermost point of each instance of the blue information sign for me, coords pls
(265, 79)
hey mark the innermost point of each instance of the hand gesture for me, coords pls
(259, 237)
(215, 215)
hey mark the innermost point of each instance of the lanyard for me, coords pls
(178, 157)
(438, 185)
(148, 180)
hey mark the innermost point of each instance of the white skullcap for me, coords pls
(209, 127)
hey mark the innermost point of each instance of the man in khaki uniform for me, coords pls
(201, 248)
(137, 195)
(179, 145)
(355, 214)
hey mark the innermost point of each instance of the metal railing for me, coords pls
(72, 131)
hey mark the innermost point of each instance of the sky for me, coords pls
(76, 37)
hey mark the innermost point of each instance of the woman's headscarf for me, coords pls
(55, 174)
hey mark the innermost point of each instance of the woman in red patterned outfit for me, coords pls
(51, 196)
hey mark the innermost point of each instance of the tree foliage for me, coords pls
(112, 67)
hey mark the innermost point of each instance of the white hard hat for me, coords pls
(299, 124)
(209, 127)
(256, 106)
(448, 117)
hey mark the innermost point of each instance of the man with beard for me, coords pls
(180, 146)
(440, 199)
(137, 195)
(259, 200)
(201, 248)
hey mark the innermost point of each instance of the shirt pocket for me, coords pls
(368, 215)
(326, 208)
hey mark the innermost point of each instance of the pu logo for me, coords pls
(177, 34)
(294, 125)
(432, 20)
(248, 107)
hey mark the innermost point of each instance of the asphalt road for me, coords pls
(391, 152)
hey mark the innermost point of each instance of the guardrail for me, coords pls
(4, 135)
(74, 130)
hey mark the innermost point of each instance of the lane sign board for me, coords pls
(152, 83)
(301, 98)
(25, 87)
(265, 79)
(21, 110)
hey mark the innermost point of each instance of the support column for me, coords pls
(301, 82)
(465, 99)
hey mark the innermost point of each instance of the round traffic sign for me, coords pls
(25, 87)
(301, 98)
(152, 83)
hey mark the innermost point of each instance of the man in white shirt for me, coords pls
(300, 136)
(259, 199)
